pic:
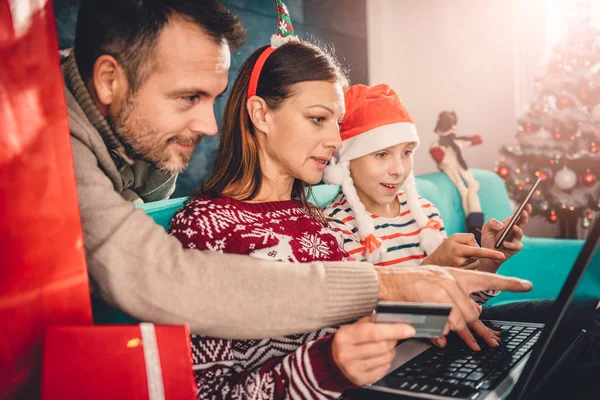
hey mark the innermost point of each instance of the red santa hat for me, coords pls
(375, 119)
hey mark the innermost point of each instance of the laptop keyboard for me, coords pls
(457, 371)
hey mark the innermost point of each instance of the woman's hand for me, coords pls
(492, 230)
(461, 250)
(364, 350)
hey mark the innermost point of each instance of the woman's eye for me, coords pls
(318, 120)
(408, 153)
(381, 154)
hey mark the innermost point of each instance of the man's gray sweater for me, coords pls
(136, 266)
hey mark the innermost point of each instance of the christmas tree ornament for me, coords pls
(586, 223)
(564, 102)
(503, 171)
(553, 217)
(544, 173)
(544, 205)
(447, 154)
(565, 179)
(593, 148)
(589, 179)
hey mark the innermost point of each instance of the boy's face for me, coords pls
(378, 175)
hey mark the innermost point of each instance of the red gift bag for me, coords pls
(118, 362)
(43, 277)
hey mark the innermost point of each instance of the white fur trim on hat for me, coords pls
(339, 174)
(377, 139)
(431, 239)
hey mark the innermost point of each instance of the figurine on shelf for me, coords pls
(446, 152)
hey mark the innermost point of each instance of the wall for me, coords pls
(461, 55)
(472, 56)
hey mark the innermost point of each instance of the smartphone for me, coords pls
(428, 319)
(517, 214)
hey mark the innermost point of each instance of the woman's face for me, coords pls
(378, 176)
(304, 131)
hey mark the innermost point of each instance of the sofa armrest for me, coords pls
(545, 262)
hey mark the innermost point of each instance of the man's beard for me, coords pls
(142, 141)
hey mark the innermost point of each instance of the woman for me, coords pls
(280, 129)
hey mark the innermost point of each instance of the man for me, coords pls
(140, 88)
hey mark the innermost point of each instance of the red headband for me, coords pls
(256, 70)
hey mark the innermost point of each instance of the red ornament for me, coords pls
(589, 179)
(503, 171)
(564, 102)
(593, 148)
(553, 218)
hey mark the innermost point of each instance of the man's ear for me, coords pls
(109, 80)
(258, 110)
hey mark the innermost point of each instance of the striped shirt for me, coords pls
(400, 235)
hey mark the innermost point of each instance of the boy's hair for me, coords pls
(128, 30)
(237, 171)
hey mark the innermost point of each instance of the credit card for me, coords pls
(427, 319)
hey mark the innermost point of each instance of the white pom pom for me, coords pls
(375, 256)
(431, 239)
(334, 173)
(278, 41)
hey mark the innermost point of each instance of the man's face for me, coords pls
(173, 109)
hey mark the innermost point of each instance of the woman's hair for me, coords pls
(237, 171)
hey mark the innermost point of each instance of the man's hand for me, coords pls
(364, 350)
(431, 284)
(461, 249)
(492, 230)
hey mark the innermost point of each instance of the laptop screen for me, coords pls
(573, 312)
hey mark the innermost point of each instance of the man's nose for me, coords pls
(205, 121)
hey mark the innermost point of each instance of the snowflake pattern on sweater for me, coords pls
(295, 366)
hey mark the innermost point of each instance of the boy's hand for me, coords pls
(364, 350)
(461, 249)
(512, 245)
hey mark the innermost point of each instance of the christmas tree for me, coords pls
(558, 137)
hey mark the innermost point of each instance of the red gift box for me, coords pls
(117, 362)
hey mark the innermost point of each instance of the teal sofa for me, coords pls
(545, 262)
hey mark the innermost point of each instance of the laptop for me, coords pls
(526, 356)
